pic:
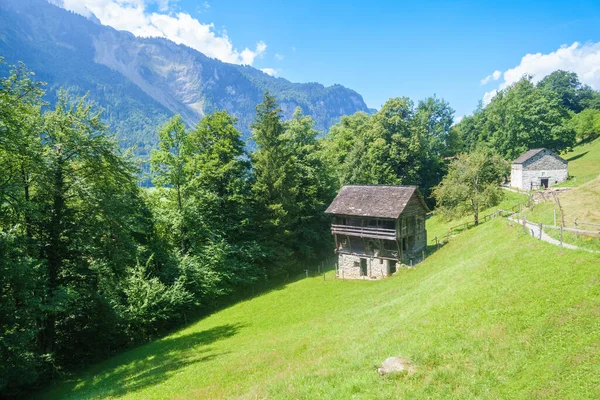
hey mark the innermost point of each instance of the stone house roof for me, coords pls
(377, 201)
(529, 154)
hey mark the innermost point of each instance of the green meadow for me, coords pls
(584, 163)
(492, 314)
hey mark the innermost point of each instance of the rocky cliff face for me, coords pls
(141, 82)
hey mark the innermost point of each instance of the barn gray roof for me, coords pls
(378, 201)
(527, 155)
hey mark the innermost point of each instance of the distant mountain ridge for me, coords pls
(141, 82)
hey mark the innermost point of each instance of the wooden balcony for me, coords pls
(364, 231)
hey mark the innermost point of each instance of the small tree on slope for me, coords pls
(471, 185)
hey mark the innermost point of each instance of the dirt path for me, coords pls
(534, 230)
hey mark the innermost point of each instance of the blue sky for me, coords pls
(384, 49)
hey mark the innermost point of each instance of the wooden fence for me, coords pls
(577, 231)
(454, 230)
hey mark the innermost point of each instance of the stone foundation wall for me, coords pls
(554, 178)
(349, 267)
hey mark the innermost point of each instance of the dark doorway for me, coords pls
(544, 183)
(392, 266)
(363, 267)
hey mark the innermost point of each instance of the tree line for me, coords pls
(91, 263)
(556, 113)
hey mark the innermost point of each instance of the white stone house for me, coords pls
(376, 227)
(538, 169)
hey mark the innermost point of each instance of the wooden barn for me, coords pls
(376, 227)
(538, 169)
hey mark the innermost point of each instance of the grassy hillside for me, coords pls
(493, 314)
(582, 202)
(584, 163)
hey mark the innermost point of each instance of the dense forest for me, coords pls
(91, 263)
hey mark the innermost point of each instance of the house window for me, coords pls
(356, 264)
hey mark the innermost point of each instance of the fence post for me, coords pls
(525, 224)
(306, 272)
(437, 243)
(423, 255)
(561, 230)
(576, 227)
(541, 227)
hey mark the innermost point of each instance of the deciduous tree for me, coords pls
(471, 185)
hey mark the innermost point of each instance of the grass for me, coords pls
(493, 314)
(584, 163)
(581, 203)
(585, 242)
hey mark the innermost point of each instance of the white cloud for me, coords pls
(163, 5)
(488, 96)
(458, 119)
(269, 71)
(181, 28)
(493, 77)
(279, 57)
(584, 60)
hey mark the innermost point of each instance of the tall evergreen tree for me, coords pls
(272, 188)
(168, 164)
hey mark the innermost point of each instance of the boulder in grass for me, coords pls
(396, 364)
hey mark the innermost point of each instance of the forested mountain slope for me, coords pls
(143, 81)
(493, 314)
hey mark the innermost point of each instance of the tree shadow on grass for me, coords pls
(578, 156)
(150, 364)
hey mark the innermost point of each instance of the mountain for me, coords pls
(141, 82)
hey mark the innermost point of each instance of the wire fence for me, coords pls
(456, 229)
(324, 269)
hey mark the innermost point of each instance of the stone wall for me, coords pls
(532, 179)
(349, 267)
(516, 176)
